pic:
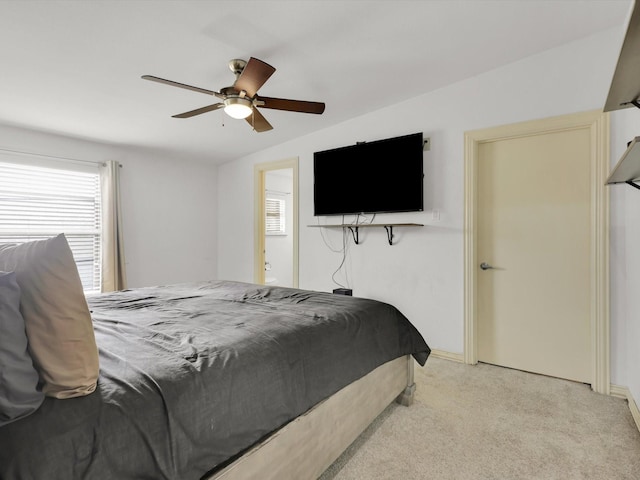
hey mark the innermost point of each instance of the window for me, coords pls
(38, 202)
(275, 222)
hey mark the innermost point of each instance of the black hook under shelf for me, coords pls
(389, 229)
(355, 233)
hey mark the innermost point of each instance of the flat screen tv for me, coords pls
(383, 176)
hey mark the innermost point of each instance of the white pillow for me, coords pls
(56, 315)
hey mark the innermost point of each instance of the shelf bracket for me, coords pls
(389, 229)
(635, 103)
(633, 184)
(355, 233)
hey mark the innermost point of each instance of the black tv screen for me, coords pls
(383, 176)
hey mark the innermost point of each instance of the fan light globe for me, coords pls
(237, 107)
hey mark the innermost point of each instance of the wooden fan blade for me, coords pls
(258, 122)
(255, 73)
(292, 105)
(198, 111)
(176, 84)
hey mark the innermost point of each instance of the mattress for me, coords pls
(192, 375)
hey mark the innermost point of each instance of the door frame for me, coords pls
(598, 124)
(259, 230)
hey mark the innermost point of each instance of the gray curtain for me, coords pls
(113, 265)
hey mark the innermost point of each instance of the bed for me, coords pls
(220, 380)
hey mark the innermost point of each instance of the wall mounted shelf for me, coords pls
(627, 170)
(355, 229)
(624, 92)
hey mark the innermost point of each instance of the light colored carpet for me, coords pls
(487, 422)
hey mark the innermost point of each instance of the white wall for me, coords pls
(169, 206)
(170, 211)
(423, 273)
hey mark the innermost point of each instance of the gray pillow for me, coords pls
(56, 316)
(19, 395)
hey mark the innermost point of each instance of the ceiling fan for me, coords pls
(241, 100)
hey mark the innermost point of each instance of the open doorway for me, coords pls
(276, 223)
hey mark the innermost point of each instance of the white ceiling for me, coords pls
(74, 67)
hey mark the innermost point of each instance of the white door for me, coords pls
(534, 253)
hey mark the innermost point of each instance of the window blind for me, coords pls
(275, 212)
(38, 203)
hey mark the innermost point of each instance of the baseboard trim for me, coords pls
(620, 392)
(456, 357)
(624, 392)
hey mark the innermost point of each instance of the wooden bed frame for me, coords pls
(308, 445)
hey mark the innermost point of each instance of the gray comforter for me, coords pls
(193, 374)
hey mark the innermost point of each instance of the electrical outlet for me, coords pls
(426, 144)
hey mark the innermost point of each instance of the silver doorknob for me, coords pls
(485, 266)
